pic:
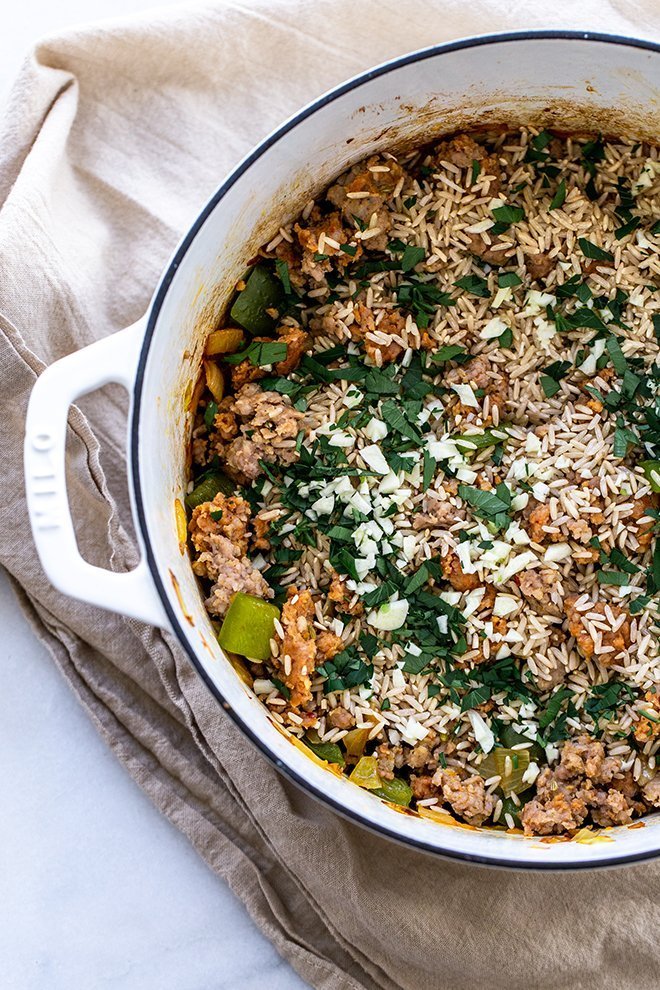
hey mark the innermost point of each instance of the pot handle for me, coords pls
(112, 359)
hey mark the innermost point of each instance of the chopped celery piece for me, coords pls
(208, 487)
(510, 765)
(396, 791)
(326, 751)
(652, 471)
(262, 291)
(355, 740)
(510, 738)
(249, 626)
(365, 773)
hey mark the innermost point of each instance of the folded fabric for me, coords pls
(114, 137)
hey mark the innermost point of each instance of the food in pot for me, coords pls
(426, 475)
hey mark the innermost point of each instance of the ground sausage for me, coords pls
(480, 373)
(297, 342)
(437, 514)
(325, 236)
(494, 253)
(648, 728)
(454, 573)
(651, 791)
(219, 533)
(586, 781)
(644, 531)
(542, 588)
(539, 265)
(467, 797)
(364, 327)
(462, 150)
(378, 178)
(269, 427)
(340, 718)
(328, 645)
(299, 645)
(617, 637)
(227, 516)
(342, 598)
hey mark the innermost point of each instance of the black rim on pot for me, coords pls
(355, 83)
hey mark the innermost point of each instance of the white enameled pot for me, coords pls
(567, 80)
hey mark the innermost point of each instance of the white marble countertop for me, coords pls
(98, 889)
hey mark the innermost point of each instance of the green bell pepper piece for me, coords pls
(327, 751)
(511, 738)
(365, 773)
(262, 291)
(208, 487)
(652, 471)
(396, 790)
(496, 764)
(248, 626)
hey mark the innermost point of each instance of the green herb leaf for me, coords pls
(508, 278)
(451, 352)
(559, 197)
(591, 250)
(283, 272)
(509, 214)
(394, 417)
(260, 353)
(549, 385)
(412, 256)
(474, 284)
(210, 413)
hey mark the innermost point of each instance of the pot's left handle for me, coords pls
(112, 359)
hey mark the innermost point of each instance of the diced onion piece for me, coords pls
(324, 505)
(374, 458)
(588, 366)
(466, 395)
(519, 502)
(557, 552)
(505, 605)
(390, 615)
(473, 600)
(482, 732)
(390, 484)
(494, 328)
(375, 429)
(533, 444)
(352, 398)
(451, 597)
(412, 732)
(339, 438)
(516, 564)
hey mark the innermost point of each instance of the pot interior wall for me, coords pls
(571, 84)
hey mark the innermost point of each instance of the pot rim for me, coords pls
(236, 173)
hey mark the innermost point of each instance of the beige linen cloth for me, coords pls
(114, 137)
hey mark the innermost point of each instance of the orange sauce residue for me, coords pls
(177, 592)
